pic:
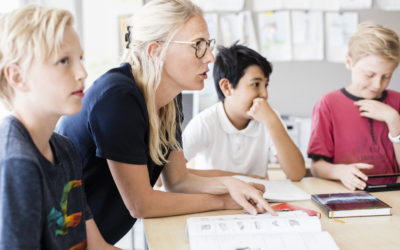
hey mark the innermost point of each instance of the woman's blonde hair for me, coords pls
(158, 20)
(28, 33)
(374, 39)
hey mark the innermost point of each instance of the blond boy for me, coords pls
(356, 130)
(42, 205)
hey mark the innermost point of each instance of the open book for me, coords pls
(278, 191)
(288, 230)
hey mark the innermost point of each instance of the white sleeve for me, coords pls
(195, 138)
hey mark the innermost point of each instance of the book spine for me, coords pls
(327, 210)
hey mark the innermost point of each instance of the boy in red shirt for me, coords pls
(356, 130)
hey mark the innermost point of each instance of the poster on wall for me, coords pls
(339, 28)
(274, 34)
(296, 4)
(270, 5)
(262, 5)
(355, 4)
(238, 27)
(325, 5)
(389, 5)
(249, 33)
(230, 31)
(212, 24)
(307, 35)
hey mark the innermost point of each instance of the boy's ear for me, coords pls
(154, 49)
(225, 86)
(13, 74)
(349, 62)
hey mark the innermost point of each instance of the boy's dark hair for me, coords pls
(232, 62)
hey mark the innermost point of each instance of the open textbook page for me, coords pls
(278, 191)
(288, 230)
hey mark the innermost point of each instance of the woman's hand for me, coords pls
(248, 196)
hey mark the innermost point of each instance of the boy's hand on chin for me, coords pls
(260, 110)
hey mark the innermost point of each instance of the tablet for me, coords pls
(382, 187)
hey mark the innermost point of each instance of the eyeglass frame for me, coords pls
(209, 44)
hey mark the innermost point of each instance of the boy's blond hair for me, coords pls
(374, 39)
(158, 20)
(28, 33)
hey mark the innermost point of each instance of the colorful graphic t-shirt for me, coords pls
(43, 205)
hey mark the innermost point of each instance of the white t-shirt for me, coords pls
(217, 144)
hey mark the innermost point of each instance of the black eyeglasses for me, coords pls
(200, 46)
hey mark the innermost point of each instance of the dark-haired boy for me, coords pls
(237, 134)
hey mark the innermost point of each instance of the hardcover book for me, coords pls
(351, 204)
(288, 230)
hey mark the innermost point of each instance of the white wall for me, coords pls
(101, 33)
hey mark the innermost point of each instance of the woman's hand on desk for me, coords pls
(248, 196)
(351, 176)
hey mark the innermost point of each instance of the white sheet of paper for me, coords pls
(339, 28)
(278, 191)
(231, 29)
(389, 5)
(263, 5)
(355, 4)
(326, 5)
(297, 4)
(220, 5)
(307, 35)
(238, 27)
(275, 36)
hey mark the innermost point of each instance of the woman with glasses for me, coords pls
(129, 129)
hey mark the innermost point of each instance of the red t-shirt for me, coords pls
(341, 136)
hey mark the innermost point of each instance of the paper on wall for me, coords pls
(355, 4)
(307, 35)
(339, 28)
(238, 27)
(389, 5)
(220, 5)
(274, 35)
(262, 5)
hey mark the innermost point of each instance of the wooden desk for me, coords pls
(377, 232)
